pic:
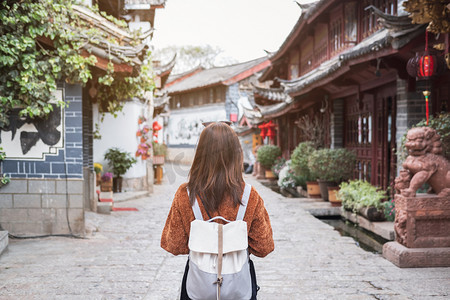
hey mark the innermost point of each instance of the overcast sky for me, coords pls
(242, 28)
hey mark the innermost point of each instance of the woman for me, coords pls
(215, 179)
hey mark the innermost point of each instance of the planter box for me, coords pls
(313, 189)
(106, 186)
(323, 186)
(158, 159)
(269, 175)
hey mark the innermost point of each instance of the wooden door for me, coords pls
(370, 133)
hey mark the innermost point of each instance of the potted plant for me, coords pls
(4, 179)
(331, 167)
(280, 162)
(159, 153)
(267, 154)
(361, 197)
(98, 168)
(289, 184)
(120, 162)
(299, 163)
(106, 184)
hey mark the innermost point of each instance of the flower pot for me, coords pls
(98, 179)
(106, 186)
(158, 159)
(117, 184)
(323, 185)
(270, 175)
(313, 189)
(333, 196)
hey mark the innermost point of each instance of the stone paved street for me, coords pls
(121, 259)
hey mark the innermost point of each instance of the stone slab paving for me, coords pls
(120, 258)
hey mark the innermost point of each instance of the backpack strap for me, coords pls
(196, 209)
(244, 200)
(242, 208)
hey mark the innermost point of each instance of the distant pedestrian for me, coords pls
(216, 185)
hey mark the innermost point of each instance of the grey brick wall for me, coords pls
(67, 162)
(45, 196)
(42, 206)
(411, 109)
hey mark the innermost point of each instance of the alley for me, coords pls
(121, 259)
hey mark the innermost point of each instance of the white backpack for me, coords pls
(218, 257)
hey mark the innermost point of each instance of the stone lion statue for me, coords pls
(424, 164)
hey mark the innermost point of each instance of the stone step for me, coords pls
(3, 241)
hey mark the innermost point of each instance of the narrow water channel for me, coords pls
(365, 239)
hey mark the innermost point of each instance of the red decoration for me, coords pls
(427, 94)
(271, 130)
(426, 65)
(263, 128)
(156, 126)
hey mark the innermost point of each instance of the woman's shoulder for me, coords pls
(181, 195)
(254, 197)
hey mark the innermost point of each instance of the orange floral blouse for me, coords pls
(175, 235)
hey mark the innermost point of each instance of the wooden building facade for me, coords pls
(344, 63)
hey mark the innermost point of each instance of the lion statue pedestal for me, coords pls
(422, 222)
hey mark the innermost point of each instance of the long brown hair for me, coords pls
(216, 171)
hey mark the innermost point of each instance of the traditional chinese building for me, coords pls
(204, 95)
(50, 161)
(345, 63)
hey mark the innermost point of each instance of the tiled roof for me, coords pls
(271, 95)
(396, 38)
(124, 53)
(167, 68)
(214, 76)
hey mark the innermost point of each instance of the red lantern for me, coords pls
(263, 128)
(156, 126)
(426, 65)
(271, 129)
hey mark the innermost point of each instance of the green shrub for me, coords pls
(159, 149)
(332, 164)
(299, 160)
(267, 154)
(280, 162)
(119, 161)
(389, 210)
(357, 194)
(292, 180)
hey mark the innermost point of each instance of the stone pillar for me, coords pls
(422, 232)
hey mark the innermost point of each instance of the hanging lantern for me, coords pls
(426, 65)
(263, 128)
(156, 126)
(271, 130)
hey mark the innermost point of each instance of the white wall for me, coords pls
(120, 132)
(185, 125)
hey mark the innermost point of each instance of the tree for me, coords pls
(190, 57)
(30, 69)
